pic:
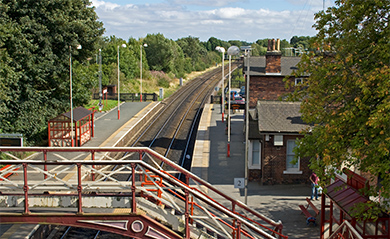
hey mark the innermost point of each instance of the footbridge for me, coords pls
(120, 190)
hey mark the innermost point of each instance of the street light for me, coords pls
(71, 96)
(222, 50)
(247, 101)
(119, 86)
(100, 80)
(233, 50)
(144, 45)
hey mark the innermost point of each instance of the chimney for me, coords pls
(273, 58)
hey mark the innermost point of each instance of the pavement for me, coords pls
(211, 163)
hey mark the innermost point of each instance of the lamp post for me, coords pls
(247, 53)
(233, 50)
(119, 86)
(222, 50)
(140, 59)
(71, 95)
(100, 80)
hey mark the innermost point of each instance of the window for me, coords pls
(290, 167)
(298, 81)
(278, 140)
(254, 154)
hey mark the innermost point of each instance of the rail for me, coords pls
(47, 170)
(345, 231)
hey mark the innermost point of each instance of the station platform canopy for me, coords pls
(337, 210)
(60, 128)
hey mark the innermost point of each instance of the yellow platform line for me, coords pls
(124, 125)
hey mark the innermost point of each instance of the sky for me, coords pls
(244, 20)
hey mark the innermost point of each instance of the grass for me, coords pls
(107, 104)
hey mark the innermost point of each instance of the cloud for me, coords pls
(105, 5)
(209, 3)
(227, 23)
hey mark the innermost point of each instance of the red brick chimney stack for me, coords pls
(273, 58)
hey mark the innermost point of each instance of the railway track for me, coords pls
(170, 132)
(172, 129)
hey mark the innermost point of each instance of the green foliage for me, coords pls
(239, 43)
(107, 104)
(258, 50)
(159, 52)
(163, 80)
(35, 40)
(302, 41)
(346, 96)
(83, 81)
(192, 47)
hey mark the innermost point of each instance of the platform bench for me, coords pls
(310, 218)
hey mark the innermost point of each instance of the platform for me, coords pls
(210, 162)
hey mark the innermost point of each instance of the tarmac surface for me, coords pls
(210, 162)
(107, 126)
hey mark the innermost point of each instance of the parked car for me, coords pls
(233, 94)
(242, 92)
(238, 100)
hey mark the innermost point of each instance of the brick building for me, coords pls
(274, 128)
(267, 74)
(274, 125)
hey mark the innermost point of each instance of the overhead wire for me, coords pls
(307, 3)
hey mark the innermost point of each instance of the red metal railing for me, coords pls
(345, 231)
(48, 169)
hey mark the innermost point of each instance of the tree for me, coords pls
(178, 60)
(129, 57)
(193, 49)
(346, 96)
(258, 50)
(262, 42)
(159, 52)
(302, 41)
(35, 45)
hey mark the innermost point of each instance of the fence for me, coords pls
(128, 96)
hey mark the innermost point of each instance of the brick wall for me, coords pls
(266, 88)
(274, 164)
(273, 62)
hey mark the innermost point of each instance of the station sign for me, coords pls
(11, 140)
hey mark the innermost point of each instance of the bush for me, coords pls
(163, 79)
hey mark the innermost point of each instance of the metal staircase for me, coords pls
(85, 178)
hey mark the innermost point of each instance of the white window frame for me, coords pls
(250, 155)
(298, 81)
(292, 170)
(278, 140)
